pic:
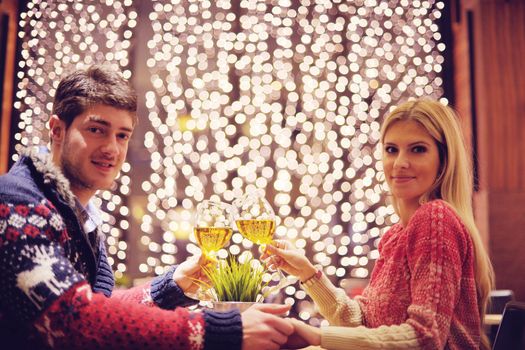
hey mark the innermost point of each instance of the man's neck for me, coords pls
(83, 195)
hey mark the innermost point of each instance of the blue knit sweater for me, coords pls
(45, 253)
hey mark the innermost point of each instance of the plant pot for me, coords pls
(230, 305)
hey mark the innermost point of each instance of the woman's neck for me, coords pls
(406, 208)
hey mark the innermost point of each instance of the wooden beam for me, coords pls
(9, 13)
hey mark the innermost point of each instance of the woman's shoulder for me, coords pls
(389, 235)
(438, 216)
(436, 210)
(437, 224)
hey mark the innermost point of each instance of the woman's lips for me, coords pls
(402, 179)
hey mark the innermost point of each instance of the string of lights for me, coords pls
(281, 95)
(288, 97)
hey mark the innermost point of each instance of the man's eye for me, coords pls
(95, 130)
(124, 137)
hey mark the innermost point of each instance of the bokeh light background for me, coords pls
(282, 95)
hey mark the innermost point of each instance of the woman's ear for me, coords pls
(57, 130)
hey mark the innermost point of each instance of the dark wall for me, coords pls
(489, 46)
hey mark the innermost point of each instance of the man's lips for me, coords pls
(103, 164)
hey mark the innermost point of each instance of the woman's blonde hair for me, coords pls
(454, 182)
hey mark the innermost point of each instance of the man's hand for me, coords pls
(281, 254)
(262, 329)
(303, 335)
(187, 274)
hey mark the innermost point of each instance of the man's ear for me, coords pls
(57, 129)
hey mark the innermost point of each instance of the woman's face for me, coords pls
(410, 160)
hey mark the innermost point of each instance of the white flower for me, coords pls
(17, 221)
(56, 222)
(37, 220)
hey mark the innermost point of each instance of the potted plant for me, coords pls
(235, 283)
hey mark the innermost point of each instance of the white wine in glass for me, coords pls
(213, 226)
(211, 239)
(258, 231)
(255, 220)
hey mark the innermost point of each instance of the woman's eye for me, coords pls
(390, 149)
(419, 149)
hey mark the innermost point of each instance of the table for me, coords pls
(492, 319)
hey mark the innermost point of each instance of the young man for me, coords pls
(56, 285)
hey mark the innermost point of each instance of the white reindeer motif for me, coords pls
(42, 272)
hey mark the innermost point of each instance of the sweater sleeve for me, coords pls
(435, 246)
(385, 337)
(41, 290)
(436, 249)
(333, 303)
(81, 319)
(162, 291)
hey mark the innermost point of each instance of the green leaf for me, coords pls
(235, 281)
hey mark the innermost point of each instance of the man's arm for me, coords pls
(40, 287)
(161, 291)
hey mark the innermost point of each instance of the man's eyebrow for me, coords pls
(98, 120)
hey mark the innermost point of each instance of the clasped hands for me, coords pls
(263, 326)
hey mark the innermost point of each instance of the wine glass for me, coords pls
(255, 220)
(213, 226)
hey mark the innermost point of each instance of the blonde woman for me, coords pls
(429, 287)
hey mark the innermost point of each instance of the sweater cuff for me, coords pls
(322, 291)
(326, 296)
(167, 294)
(385, 337)
(223, 330)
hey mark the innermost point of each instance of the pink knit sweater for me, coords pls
(425, 277)
(421, 295)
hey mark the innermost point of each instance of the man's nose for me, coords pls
(110, 145)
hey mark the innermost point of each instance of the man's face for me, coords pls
(93, 149)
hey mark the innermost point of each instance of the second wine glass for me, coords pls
(255, 220)
(213, 226)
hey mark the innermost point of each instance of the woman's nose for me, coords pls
(401, 162)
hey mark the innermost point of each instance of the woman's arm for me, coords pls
(333, 302)
(344, 338)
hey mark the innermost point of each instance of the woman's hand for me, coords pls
(263, 328)
(189, 272)
(281, 254)
(303, 335)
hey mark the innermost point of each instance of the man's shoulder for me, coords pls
(18, 185)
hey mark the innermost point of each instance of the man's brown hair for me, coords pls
(92, 86)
